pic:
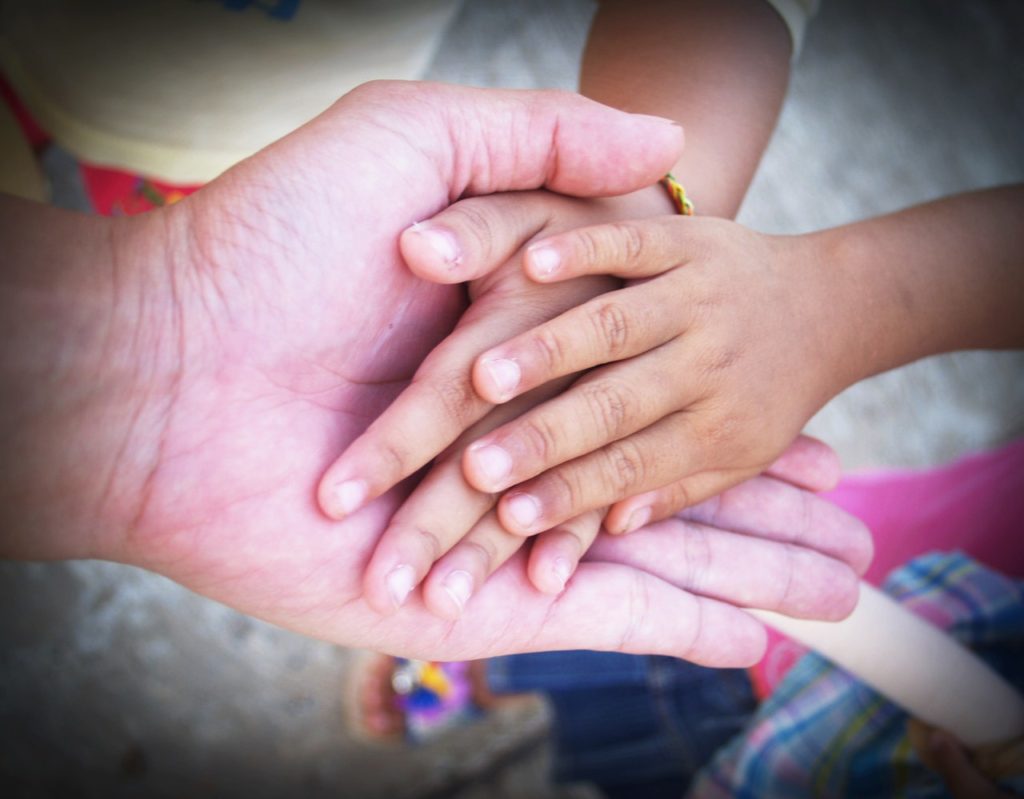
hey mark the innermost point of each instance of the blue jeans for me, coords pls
(633, 726)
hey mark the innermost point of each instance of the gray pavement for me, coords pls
(115, 682)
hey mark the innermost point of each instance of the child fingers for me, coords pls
(603, 407)
(612, 327)
(651, 458)
(632, 249)
(465, 568)
(422, 421)
(440, 512)
(472, 237)
(556, 553)
(740, 569)
(431, 413)
(459, 574)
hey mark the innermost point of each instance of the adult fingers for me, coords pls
(512, 140)
(612, 327)
(808, 463)
(611, 607)
(766, 508)
(737, 568)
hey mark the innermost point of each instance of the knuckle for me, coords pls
(698, 558)
(548, 346)
(455, 396)
(541, 438)
(678, 498)
(626, 470)
(611, 326)
(566, 491)
(474, 225)
(610, 406)
(393, 458)
(629, 242)
(483, 551)
(588, 246)
(639, 607)
(428, 541)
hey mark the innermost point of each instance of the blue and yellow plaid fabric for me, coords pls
(822, 733)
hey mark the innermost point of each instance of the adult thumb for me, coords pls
(493, 140)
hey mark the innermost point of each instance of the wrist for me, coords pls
(859, 311)
(80, 365)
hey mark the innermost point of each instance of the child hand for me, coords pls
(703, 370)
(435, 410)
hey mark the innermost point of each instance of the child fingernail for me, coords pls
(494, 464)
(348, 497)
(442, 242)
(459, 587)
(545, 260)
(400, 582)
(638, 519)
(524, 509)
(504, 374)
(562, 569)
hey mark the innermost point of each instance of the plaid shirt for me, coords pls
(822, 733)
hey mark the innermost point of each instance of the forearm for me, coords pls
(72, 388)
(939, 277)
(718, 67)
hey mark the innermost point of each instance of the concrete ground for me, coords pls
(115, 682)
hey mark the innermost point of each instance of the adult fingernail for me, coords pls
(494, 463)
(562, 569)
(459, 587)
(400, 581)
(504, 374)
(545, 260)
(637, 519)
(524, 509)
(349, 497)
(442, 242)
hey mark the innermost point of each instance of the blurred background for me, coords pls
(116, 682)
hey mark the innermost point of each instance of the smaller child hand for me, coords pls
(704, 369)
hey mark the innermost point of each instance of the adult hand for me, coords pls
(252, 331)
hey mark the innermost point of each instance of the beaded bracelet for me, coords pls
(678, 194)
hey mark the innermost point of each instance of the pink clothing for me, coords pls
(974, 505)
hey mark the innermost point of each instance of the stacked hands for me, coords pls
(607, 375)
(685, 396)
(605, 372)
